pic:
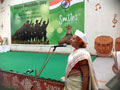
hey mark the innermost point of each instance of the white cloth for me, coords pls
(73, 83)
(4, 48)
(81, 35)
(118, 60)
(74, 58)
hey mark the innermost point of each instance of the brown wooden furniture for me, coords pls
(103, 45)
(117, 44)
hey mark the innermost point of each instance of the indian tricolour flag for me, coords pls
(63, 13)
(56, 3)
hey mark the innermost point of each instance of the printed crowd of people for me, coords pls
(30, 32)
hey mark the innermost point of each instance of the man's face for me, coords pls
(74, 42)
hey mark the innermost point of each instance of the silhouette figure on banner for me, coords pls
(32, 33)
(43, 27)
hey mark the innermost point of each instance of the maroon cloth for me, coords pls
(77, 66)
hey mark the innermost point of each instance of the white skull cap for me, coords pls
(81, 35)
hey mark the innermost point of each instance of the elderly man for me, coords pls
(79, 71)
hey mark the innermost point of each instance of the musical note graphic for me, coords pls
(1, 26)
(114, 21)
(1, 1)
(98, 6)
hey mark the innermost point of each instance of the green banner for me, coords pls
(46, 22)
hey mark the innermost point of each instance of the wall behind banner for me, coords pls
(98, 21)
(56, 14)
